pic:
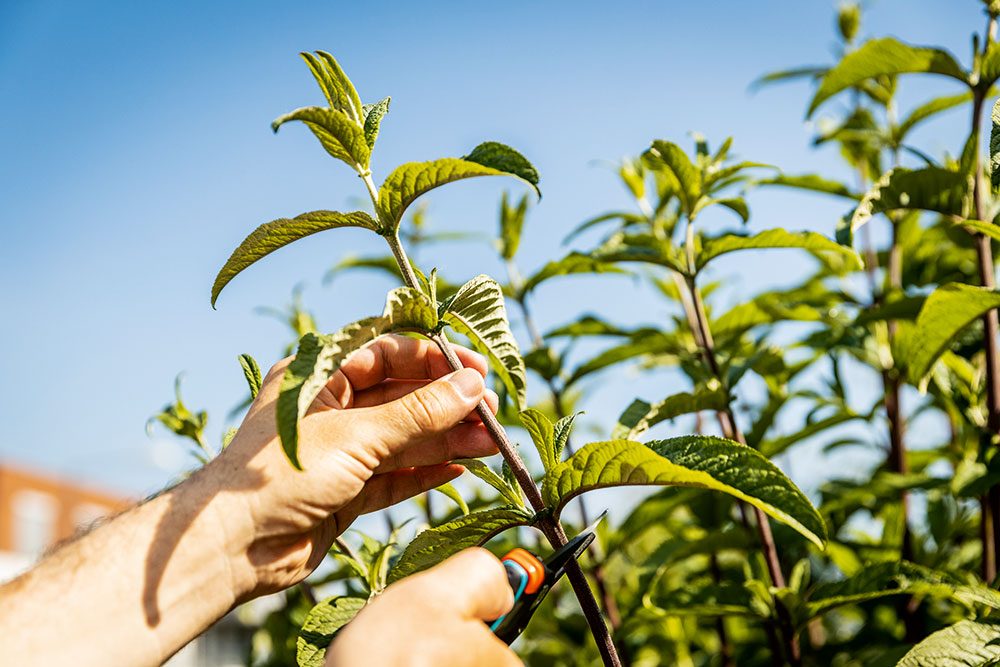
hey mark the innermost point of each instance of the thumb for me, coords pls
(473, 582)
(427, 411)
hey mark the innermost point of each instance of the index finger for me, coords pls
(404, 358)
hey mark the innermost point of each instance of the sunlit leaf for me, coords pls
(478, 312)
(373, 120)
(885, 56)
(319, 356)
(641, 416)
(322, 625)
(670, 158)
(433, 545)
(771, 238)
(949, 309)
(705, 598)
(542, 435)
(877, 580)
(573, 263)
(745, 316)
(811, 182)
(697, 461)
(965, 644)
(930, 189)
(481, 470)
(278, 233)
(925, 111)
(409, 181)
(450, 492)
(337, 88)
(251, 371)
(561, 432)
(342, 138)
(511, 223)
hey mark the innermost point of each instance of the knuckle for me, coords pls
(424, 408)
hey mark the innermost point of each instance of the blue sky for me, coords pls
(137, 155)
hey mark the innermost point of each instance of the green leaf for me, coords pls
(337, 88)
(930, 189)
(481, 470)
(409, 181)
(251, 371)
(811, 182)
(640, 416)
(373, 120)
(572, 264)
(319, 356)
(669, 158)
(562, 429)
(511, 223)
(877, 580)
(734, 204)
(478, 312)
(433, 545)
(321, 626)
(652, 343)
(452, 494)
(340, 136)
(949, 309)
(884, 57)
(278, 233)
(965, 644)
(746, 316)
(771, 238)
(697, 461)
(542, 434)
(904, 308)
(925, 111)
(705, 598)
(986, 228)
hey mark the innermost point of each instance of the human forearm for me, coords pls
(135, 590)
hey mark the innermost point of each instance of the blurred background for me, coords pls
(137, 154)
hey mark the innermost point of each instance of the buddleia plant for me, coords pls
(347, 130)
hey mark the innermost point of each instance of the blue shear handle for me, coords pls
(517, 577)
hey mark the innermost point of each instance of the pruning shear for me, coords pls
(530, 578)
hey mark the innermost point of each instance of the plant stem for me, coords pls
(732, 431)
(546, 523)
(990, 530)
(537, 342)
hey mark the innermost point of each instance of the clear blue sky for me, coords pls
(137, 154)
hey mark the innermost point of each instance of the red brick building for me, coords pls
(37, 511)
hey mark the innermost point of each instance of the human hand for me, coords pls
(381, 431)
(433, 618)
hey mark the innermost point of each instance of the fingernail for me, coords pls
(468, 381)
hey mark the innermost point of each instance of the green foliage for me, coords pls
(319, 356)
(948, 310)
(251, 371)
(771, 238)
(697, 461)
(510, 492)
(477, 311)
(965, 644)
(641, 416)
(433, 545)
(278, 233)
(321, 626)
(409, 181)
(881, 57)
(904, 546)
